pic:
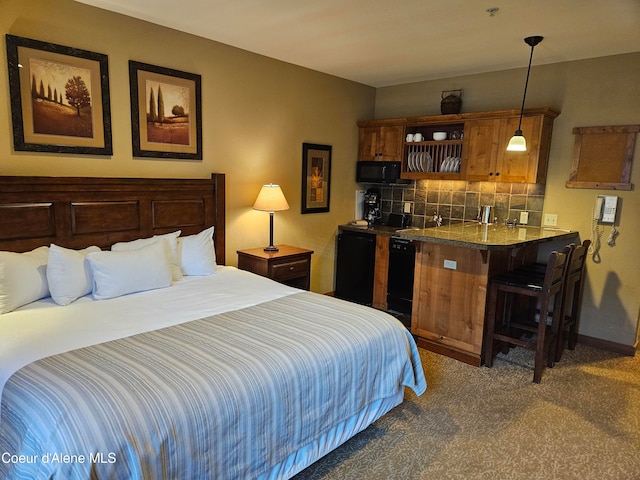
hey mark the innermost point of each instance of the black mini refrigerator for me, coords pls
(354, 266)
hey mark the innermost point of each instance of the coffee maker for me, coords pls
(372, 212)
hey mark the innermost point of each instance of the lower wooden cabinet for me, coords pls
(450, 295)
(381, 272)
(449, 303)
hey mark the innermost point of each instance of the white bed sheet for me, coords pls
(29, 335)
(44, 329)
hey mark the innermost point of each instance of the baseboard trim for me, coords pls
(451, 352)
(628, 350)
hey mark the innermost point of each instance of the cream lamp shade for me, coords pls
(271, 199)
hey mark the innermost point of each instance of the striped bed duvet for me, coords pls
(230, 396)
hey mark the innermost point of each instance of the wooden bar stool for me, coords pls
(511, 329)
(571, 295)
(572, 300)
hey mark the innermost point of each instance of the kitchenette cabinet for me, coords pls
(485, 149)
(474, 147)
(381, 143)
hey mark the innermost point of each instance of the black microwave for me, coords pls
(378, 172)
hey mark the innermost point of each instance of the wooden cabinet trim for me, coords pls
(381, 272)
(459, 118)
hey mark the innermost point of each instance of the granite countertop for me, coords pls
(472, 234)
(374, 229)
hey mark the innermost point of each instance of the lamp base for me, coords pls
(271, 248)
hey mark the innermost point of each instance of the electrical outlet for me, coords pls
(450, 264)
(551, 219)
(524, 218)
(407, 207)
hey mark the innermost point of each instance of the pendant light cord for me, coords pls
(524, 96)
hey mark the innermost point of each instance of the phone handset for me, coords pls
(597, 209)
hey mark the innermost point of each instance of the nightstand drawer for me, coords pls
(290, 269)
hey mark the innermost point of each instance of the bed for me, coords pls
(206, 372)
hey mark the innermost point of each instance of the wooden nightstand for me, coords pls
(289, 265)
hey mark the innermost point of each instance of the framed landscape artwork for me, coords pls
(166, 112)
(316, 177)
(59, 98)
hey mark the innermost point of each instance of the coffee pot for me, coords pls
(372, 212)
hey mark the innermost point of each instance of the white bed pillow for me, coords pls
(129, 271)
(23, 278)
(68, 274)
(172, 245)
(198, 253)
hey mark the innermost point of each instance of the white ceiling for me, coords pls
(386, 42)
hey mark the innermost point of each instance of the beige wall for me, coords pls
(257, 112)
(602, 91)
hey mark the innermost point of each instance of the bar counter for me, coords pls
(471, 234)
(485, 237)
(453, 268)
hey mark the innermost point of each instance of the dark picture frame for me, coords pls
(316, 177)
(177, 133)
(59, 98)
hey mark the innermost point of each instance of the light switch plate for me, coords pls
(524, 218)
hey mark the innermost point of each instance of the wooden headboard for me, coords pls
(76, 212)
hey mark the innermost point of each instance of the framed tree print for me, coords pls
(59, 98)
(166, 112)
(316, 177)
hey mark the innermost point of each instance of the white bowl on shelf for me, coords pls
(439, 135)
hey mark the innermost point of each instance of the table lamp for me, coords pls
(271, 199)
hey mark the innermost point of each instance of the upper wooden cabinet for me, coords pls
(475, 148)
(381, 142)
(485, 149)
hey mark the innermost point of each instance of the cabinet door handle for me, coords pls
(291, 268)
(490, 174)
(497, 174)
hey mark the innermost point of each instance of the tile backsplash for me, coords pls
(461, 200)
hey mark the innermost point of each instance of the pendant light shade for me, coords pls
(518, 143)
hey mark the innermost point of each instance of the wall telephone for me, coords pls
(604, 212)
(605, 209)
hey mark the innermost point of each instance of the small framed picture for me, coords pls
(166, 112)
(59, 98)
(316, 177)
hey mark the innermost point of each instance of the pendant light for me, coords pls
(518, 142)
